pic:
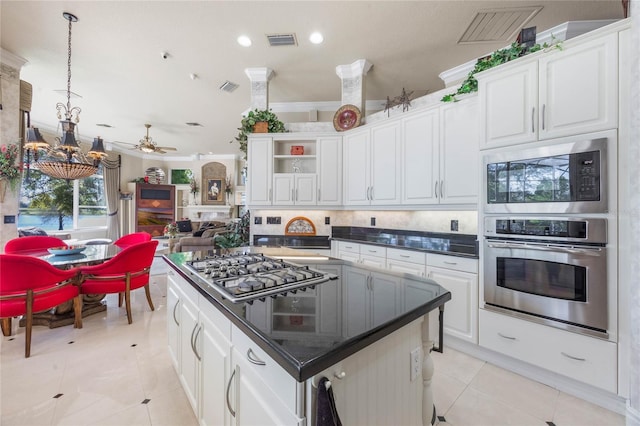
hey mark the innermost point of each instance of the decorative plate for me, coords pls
(300, 226)
(64, 251)
(346, 117)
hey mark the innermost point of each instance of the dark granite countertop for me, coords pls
(297, 241)
(289, 328)
(454, 244)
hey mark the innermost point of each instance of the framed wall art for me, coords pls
(213, 183)
(181, 176)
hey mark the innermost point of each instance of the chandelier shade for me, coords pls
(65, 160)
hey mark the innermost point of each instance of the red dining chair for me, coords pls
(29, 284)
(32, 242)
(126, 271)
(131, 239)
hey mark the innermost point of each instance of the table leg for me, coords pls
(6, 326)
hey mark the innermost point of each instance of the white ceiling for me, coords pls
(118, 69)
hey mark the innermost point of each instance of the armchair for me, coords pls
(203, 238)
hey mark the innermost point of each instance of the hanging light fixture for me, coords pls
(65, 160)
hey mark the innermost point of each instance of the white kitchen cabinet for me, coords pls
(329, 171)
(420, 157)
(407, 261)
(259, 391)
(372, 162)
(460, 277)
(260, 170)
(559, 93)
(586, 359)
(366, 254)
(199, 336)
(459, 153)
(366, 300)
(294, 189)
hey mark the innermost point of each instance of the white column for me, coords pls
(259, 78)
(633, 200)
(10, 66)
(353, 87)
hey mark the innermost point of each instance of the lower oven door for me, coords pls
(552, 281)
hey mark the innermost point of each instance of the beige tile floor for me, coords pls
(113, 373)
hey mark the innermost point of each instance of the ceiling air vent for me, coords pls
(498, 25)
(228, 86)
(282, 39)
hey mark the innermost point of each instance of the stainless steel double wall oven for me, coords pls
(546, 227)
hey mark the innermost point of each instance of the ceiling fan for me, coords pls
(147, 145)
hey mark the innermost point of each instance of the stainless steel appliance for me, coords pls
(553, 269)
(556, 176)
(242, 277)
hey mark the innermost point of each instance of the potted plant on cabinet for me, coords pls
(248, 125)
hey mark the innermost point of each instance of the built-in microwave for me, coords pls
(555, 176)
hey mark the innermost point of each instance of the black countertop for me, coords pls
(293, 241)
(288, 328)
(464, 245)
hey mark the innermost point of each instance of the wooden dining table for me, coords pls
(62, 315)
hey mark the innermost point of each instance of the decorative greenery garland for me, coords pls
(253, 117)
(501, 56)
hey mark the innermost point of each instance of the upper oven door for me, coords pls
(557, 176)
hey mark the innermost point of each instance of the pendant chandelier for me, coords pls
(65, 160)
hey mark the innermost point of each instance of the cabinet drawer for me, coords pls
(462, 264)
(369, 250)
(349, 247)
(407, 256)
(274, 376)
(589, 360)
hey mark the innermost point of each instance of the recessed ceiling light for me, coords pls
(244, 41)
(316, 38)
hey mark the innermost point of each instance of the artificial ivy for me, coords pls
(516, 50)
(253, 117)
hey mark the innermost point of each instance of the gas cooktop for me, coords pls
(242, 277)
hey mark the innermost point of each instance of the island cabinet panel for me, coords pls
(199, 337)
(558, 93)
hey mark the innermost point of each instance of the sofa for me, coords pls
(24, 232)
(203, 238)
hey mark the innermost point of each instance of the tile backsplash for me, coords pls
(431, 221)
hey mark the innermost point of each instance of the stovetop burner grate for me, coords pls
(246, 277)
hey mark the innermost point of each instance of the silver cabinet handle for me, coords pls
(195, 344)
(441, 189)
(436, 189)
(544, 108)
(193, 332)
(405, 255)
(270, 192)
(296, 194)
(533, 117)
(372, 196)
(504, 336)
(450, 263)
(233, 413)
(572, 357)
(174, 312)
(253, 359)
(318, 193)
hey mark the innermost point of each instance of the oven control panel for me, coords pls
(567, 229)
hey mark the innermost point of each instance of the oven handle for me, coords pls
(595, 251)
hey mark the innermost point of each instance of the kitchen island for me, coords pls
(259, 362)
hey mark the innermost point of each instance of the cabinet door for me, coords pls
(215, 353)
(190, 372)
(329, 171)
(579, 88)
(255, 402)
(508, 106)
(283, 189)
(385, 300)
(305, 189)
(406, 267)
(420, 145)
(173, 322)
(356, 304)
(385, 164)
(356, 168)
(460, 313)
(259, 170)
(459, 153)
